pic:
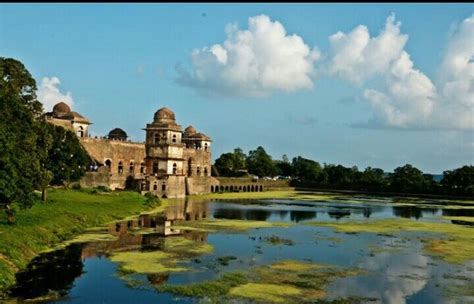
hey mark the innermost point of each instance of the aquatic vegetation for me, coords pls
(213, 289)
(456, 247)
(92, 237)
(276, 240)
(224, 260)
(146, 262)
(266, 292)
(292, 265)
(283, 281)
(218, 224)
(176, 249)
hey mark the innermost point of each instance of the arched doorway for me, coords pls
(120, 167)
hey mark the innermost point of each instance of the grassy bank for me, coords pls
(66, 214)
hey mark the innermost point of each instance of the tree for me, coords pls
(306, 169)
(260, 163)
(23, 145)
(372, 179)
(67, 159)
(284, 166)
(459, 181)
(407, 179)
(228, 164)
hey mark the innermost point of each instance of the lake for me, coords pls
(277, 255)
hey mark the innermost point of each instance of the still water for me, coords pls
(84, 273)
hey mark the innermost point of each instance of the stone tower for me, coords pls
(163, 146)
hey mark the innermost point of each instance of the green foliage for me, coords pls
(260, 163)
(23, 140)
(460, 181)
(306, 169)
(67, 158)
(408, 179)
(230, 164)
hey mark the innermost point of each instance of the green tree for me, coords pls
(407, 179)
(306, 169)
(23, 145)
(284, 166)
(67, 159)
(459, 181)
(372, 179)
(260, 163)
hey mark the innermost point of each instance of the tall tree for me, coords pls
(23, 145)
(260, 163)
(306, 169)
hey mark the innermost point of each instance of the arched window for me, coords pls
(212, 188)
(205, 171)
(163, 187)
(132, 167)
(175, 169)
(157, 138)
(155, 167)
(120, 167)
(142, 167)
(108, 164)
(174, 138)
(198, 171)
(155, 187)
(205, 147)
(80, 132)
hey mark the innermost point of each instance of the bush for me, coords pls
(76, 187)
(103, 189)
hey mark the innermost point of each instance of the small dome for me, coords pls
(118, 133)
(61, 108)
(190, 130)
(164, 114)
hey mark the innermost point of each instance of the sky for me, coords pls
(380, 85)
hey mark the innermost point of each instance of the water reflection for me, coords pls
(393, 277)
(57, 270)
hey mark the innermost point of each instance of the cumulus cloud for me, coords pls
(49, 93)
(253, 62)
(357, 57)
(407, 98)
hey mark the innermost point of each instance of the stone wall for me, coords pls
(172, 187)
(200, 184)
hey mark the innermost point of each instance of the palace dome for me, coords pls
(190, 130)
(61, 107)
(164, 114)
(118, 133)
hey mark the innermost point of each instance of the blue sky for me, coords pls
(388, 105)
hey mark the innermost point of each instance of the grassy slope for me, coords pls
(66, 214)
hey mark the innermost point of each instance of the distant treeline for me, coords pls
(311, 174)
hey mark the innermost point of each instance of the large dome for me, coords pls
(190, 130)
(118, 133)
(61, 108)
(164, 114)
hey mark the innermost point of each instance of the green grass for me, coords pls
(65, 215)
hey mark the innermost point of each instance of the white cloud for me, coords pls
(408, 98)
(357, 57)
(49, 94)
(253, 62)
(456, 79)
